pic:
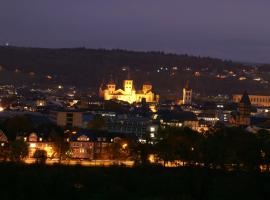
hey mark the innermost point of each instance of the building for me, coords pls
(256, 100)
(128, 93)
(187, 94)
(209, 116)
(178, 119)
(38, 142)
(93, 144)
(243, 114)
(138, 127)
(82, 147)
(3, 139)
(67, 118)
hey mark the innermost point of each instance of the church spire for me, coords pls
(187, 85)
(245, 98)
(111, 81)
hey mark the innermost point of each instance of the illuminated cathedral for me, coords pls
(128, 93)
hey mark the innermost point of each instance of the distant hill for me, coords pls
(89, 67)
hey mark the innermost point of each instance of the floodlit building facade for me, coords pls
(37, 142)
(128, 93)
(256, 100)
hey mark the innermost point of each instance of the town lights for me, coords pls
(124, 146)
(32, 145)
(151, 158)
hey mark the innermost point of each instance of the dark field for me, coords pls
(58, 182)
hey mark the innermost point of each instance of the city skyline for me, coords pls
(146, 99)
(208, 28)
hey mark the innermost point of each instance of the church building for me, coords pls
(128, 93)
(243, 114)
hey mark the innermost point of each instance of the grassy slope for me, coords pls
(33, 182)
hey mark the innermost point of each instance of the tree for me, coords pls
(62, 145)
(18, 150)
(178, 144)
(16, 125)
(231, 147)
(140, 153)
(116, 149)
(263, 137)
(40, 156)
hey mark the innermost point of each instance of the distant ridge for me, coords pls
(88, 67)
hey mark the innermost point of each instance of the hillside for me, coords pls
(89, 67)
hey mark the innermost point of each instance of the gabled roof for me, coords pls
(245, 99)
(168, 115)
(3, 137)
(93, 135)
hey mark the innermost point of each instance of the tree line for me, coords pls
(223, 148)
(220, 148)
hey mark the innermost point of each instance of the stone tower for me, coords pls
(244, 110)
(187, 94)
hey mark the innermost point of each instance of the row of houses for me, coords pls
(85, 144)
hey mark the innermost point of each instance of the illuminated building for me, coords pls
(92, 144)
(40, 102)
(128, 93)
(82, 147)
(178, 119)
(136, 126)
(37, 142)
(256, 100)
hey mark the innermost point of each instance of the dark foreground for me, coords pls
(60, 182)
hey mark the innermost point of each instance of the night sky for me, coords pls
(232, 29)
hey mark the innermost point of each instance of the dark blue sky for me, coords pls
(233, 29)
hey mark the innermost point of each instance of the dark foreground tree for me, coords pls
(178, 144)
(40, 156)
(264, 145)
(233, 148)
(18, 150)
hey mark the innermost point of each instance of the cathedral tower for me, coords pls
(111, 86)
(244, 110)
(187, 94)
(128, 86)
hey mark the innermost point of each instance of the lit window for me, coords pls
(32, 145)
(152, 129)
